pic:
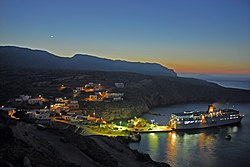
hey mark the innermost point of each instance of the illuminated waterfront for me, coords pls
(203, 147)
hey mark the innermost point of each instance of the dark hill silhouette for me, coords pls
(16, 57)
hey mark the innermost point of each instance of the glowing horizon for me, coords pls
(212, 36)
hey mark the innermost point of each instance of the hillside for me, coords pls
(15, 57)
(142, 92)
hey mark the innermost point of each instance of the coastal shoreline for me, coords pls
(68, 147)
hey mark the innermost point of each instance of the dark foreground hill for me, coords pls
(23, 145)
(15, 57)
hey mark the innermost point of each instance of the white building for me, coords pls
(24, 97)
(79, 89)
(33, 101)
(91, 84)
(41, 114)
(76, 91)
(73, 101)
(18, 100)
(115, 95)
(73, 105)
(117, 99)
(119, 85)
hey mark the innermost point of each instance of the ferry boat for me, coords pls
(204, 119)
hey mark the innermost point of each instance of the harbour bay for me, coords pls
(203, 147)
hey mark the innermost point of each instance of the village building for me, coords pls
(91, 87)
(19, 100)
(24, 97)
(62, 87)
(59, 99)
(41, 114)
(80, 89)
(76, 91)
(66, 117)
(78, 111)
(98, 87)
(58, 107)
(100, 96)
(92, 98)
(73, 105)
(119, 85)
(38, 100)
(8, 112)
(115, 96)
(69, 116)
(81, 117)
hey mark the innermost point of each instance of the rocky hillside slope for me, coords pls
(24, 145)
(159, 91)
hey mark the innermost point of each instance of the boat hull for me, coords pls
(208, 124)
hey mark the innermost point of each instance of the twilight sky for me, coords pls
(194, 36)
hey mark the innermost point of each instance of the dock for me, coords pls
(147, 130)
(155, 129)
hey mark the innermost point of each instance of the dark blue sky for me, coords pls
(209, 36)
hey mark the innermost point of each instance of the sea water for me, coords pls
(203, 147)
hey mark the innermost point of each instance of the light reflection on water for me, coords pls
(171, 143)
(153, 142)
(203, 147)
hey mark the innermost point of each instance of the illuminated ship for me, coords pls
(204, 119)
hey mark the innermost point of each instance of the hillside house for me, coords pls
(115, 96)
(38, 100)
(8, 112)
(91, 87)
(59, 99)
(73, 104)
(119, 85)
(24, 97)
(58, 107)
(41, 114)
(93, 97)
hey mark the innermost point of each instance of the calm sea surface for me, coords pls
(203, 147)
(230, 83)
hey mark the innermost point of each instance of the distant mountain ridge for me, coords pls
(17, 57)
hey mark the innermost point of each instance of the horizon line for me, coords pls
(104, 57)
